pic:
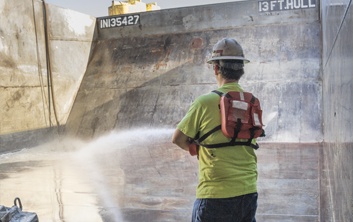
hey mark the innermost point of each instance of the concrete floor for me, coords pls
(128, 176)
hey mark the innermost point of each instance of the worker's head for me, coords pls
(228, 58)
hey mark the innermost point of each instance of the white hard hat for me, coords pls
(227, 49)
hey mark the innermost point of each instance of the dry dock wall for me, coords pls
(29, 111)
(337, 155)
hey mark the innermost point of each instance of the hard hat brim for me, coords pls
(228, 58)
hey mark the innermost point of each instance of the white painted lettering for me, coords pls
(106, 23)
(112, 22)
(124, 22)
(273, 4)
(130, 20)
(118, 21)
(289, 4)
(280, 4)
(137, 17)
(311, 5)
(296, 4)
(260, 8)
(265, 6)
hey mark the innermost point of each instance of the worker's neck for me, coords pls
(224, 81)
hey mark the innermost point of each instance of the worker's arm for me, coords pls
(181, 140)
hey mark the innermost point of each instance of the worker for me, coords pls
(227, 188)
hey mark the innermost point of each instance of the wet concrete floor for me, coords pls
(138, 175)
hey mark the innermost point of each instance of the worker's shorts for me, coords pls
(234, 209)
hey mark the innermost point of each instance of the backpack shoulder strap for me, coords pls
(218, 93)
(202, 138)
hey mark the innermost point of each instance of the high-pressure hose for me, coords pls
(51, 96)
(40, 75)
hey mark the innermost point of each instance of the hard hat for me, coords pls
(227, 49)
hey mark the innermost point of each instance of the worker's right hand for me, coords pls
(193, 149)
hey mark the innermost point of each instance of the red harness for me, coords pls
(241, 118)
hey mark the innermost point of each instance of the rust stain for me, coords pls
(7, 61)
(159, 65)
(17, 95)
(197, 43)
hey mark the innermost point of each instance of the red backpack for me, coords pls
(241, 118)
(241, 115)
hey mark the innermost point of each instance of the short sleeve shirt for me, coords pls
(223, 172)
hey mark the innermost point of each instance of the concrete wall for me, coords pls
(337, 169)
(24, 98)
